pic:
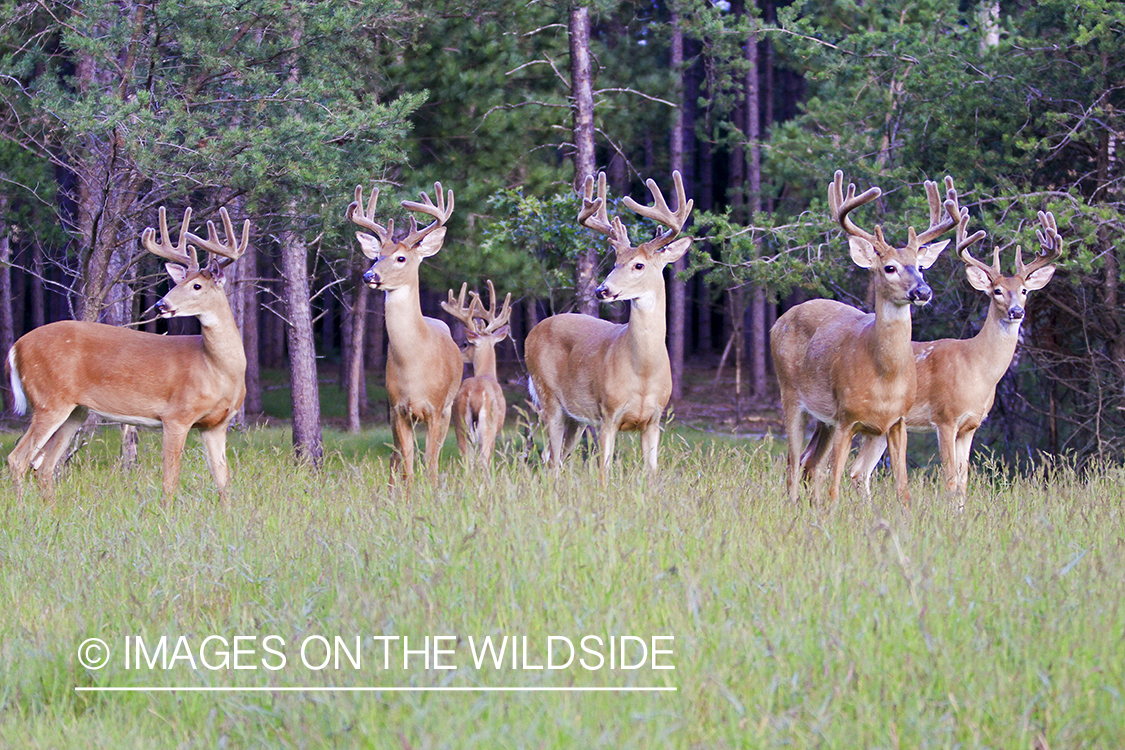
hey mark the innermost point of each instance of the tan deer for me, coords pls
(68, 368)
(423, 362)
(957, 377)
(851, 371)
(479, 408)
(587, 371)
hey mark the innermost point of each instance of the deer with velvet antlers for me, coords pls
(854, 372)
(957, 378)
(423, 362)
(66, 369)
(612, 376)
(479, 408)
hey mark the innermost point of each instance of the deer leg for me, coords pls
(794, 434)
(55, 450)
(436, 432)
(173, 449)
(650, 444)
(947, 447)
(488, 433)
(812, 460)
(215, 451)
(964, 446)
(864, 464)
(841, 442)
(27, 452)
(896, 444)
(607, 438)
(402, 459)
(462, 430)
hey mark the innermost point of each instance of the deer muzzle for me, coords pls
(1015, 312)
(921, 294)
(371, 278)
(163, 309)
(604, 294)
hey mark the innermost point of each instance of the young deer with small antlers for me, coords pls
(423, 362)
(957, 378)
(68, 368)
(588, 371)
(479, 408)
(854, 372)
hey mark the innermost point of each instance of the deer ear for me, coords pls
(1039, 277)
(501, 333)
(862, 252)
(176, 271)
(927, 254)
(978, 279)
(673, 252)
(431, 243)
(369, 244)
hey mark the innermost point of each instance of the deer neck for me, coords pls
(484, 362)
(890, 337)
(995, 344)
(222, 342)
(406, 325)
(645, 333)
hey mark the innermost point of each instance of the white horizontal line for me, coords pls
(372, 689)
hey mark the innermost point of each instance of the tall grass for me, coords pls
(858, 625)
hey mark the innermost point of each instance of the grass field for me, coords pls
(855, 626)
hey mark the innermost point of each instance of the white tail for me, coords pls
(479, 408)
(423, 362)
(17, 386)
(587, 371)
(68, 368)
(957, 377)
(854, 372)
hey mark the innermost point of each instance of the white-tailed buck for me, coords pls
(587, 371)
(68, 368)
(479, 408)
(423, 362)
(957, 377)
(851, 371)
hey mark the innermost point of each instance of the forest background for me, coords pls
(277, 110)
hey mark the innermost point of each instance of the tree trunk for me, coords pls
(758, 332)
(677, 286)
(357, 383)
(7, 323)
(302, 350)
(581, 87)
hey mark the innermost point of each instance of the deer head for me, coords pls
(196, 286)
(397, 260)
(638, 270)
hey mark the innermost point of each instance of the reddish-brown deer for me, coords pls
(66, 369)
(851, 371)
(612, 376)
(423, 362)
(957, 378)
(479, 408)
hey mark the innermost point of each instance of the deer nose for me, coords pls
(921, 294)
(371, 278)
(1015, 313)
(163, 309)
(603, 293)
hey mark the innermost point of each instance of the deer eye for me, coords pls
(997, 291)
(401, 259)
(889, 269)
(197, 286)
(638, 266)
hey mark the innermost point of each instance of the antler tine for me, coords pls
(961, 217)
(1049, 240)
(841, 206)
(593, 214)
(493, 319)
(440, 212)
(165, 249)
(939, 226)
(660, 212)
(357, 215)
(229, 250)
(458, 309)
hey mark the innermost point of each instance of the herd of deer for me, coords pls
(854, 373)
